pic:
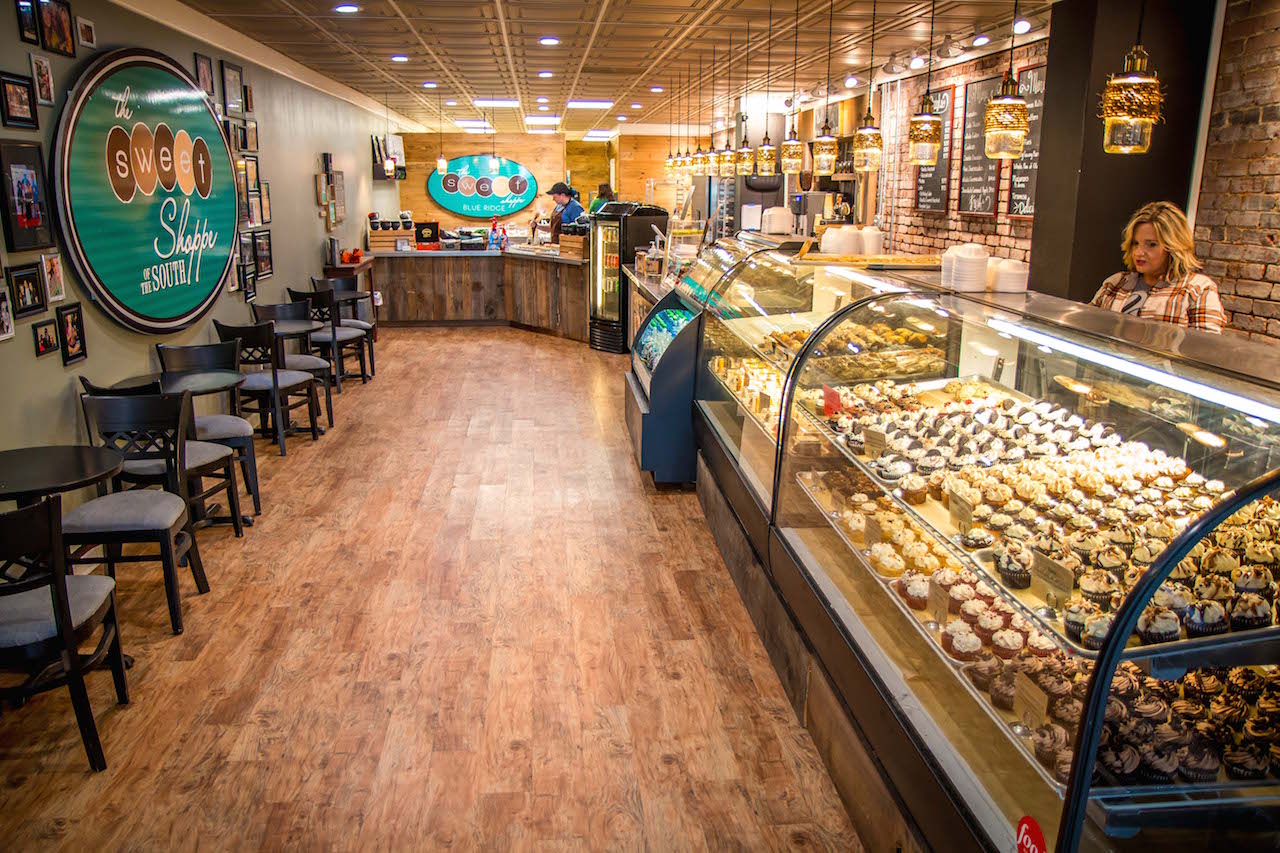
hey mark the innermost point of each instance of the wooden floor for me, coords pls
(463, 620)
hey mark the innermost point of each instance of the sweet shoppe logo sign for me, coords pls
(146, 191)
(470, 188)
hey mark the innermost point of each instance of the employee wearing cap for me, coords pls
(567, 208)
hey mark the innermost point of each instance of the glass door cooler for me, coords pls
(617, 230)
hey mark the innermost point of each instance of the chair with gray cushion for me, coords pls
(273, 390)
(335, 337)
(354, 314)
(230, 430)
(151, 430)
(318, 367)
(48, 614)
(205, 460)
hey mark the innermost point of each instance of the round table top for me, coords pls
(289, 328)
(198, 382)
(27, 473)
(352, 295)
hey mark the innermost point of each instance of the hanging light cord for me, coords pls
(928, 76)
(728, 96)
(746, 76)
(1142, 13)
(871, 60)
(795, 58)
(1013, 35)
(831, 19)
(768, 61)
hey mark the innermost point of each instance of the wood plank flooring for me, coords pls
(462, 621)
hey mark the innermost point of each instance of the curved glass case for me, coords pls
(978, 503)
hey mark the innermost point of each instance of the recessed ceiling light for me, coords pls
(544, 107)
(981, 39)
(589, 105)
(850, 81)
(544, 74)
(655, 89)
(399, 57)
(430, 84)
(495, 102)
(347, 8)
(1022, 26)
(549, 41)
(622, 118)
(450, 103)
(719, 124)
(636, 107)
(542, 100)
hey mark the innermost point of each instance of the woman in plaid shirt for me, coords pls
(1164, 282)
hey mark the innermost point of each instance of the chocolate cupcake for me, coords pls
(1205, 618)
(1187, 712)
(1054, 686)
(1250, 611)
(1158, 767)
(1158, 625)
(1137, 731)
(1202, 685)
(1151, 708)
(1199, 761)
(1245, 682)
(1097, 586)
(1260, 730)
(1269, 706)
(1121, 763)
(1228, 709)
(1166, 690)
(1002, 691)
(1067, 711)
(1048, 741)
(1062, 765)
(1096, 628)
(1117, 711)
(983, 671)
(1125, 684)
(1169, 738)
(1075, 614)
(1246, 762)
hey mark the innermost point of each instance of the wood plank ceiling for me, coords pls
(609, 50)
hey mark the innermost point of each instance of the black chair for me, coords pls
(48, 613)
(154, 430)
(230, 429)
(350, 311)
(205, 459)
(334, 339)
(305, 361)
(272, 386)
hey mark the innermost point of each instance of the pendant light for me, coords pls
(442, 165)
(1005, 122)
(868, 144)
(825, 146)
(700, 158)
(924, 134)
(792, 148)
(388, 162)
(728, 160)
(766, 154)
(1131, 102)
(713, 158)
(746, 157)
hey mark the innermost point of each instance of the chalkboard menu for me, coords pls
(1022, 186)
(979, 175)
(932, 181)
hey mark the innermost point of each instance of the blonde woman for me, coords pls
(1163, 282)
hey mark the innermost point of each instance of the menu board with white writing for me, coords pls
(932, 181)
(1022, 184)
(979, 174)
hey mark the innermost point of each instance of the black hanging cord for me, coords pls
(1142, 13)
(831, 19)
(795, 57)
(1013, 35)
(928, 76)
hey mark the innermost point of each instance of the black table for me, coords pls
(29, 473)
(296, 328)
(198, 382)
(347, 297)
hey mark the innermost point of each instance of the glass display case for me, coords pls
(1065, 599)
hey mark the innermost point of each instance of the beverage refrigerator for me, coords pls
(617, 230)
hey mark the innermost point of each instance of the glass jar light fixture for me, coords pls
(1005, 122)
(1131, 105)
(699, 166)
(745, 160)
(792, 154)
(924, 135)
(868, 144)
(825, 149)
(766, 158)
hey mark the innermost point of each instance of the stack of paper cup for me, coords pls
(969, 272)
(872, 240)
(1011, 277)
(949, 265)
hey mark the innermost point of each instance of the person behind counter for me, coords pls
(604, 195)
(1163, 282)
(567, 208)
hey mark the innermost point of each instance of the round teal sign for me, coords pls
(146, 191)
(470, 188)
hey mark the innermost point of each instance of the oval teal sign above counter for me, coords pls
(470, 188)
(146, 191)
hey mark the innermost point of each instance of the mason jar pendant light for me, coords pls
(728, 160)
(1005, 122)
(792, 148)
(924, 134)
(825, 146)
(442, 165)
(1131, 102)
(766, 154)
(746, 157)
(868, 144)
(700, 167)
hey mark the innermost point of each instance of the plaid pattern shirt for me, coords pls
(1192, 302)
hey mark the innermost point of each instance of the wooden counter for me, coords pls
(543, 293)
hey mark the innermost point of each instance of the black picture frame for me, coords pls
(57, 28)
(28, 21)
(27, 211)
(248, 99)
(15, 89)
(250, 138)
(71, 339)
(266, 202)
(204, 74)
(44, 336)
(262, 260)
(232, 89)
(252, 180)
(26, 290)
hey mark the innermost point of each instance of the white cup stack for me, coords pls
(1011, 277)
(969, 270)
(872, 240)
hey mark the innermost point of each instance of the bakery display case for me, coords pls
(1064, 602)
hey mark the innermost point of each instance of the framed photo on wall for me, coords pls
(248, 99)
(250, 135)
(55, 281)
(18, 101)
(28, 23)
(86, 33)
(204, 73)
(255, 209)
(56, 32)
(262, 253)
(26, 291)
(46, 337)
(249, 282)
(266, 203)
(71, 334)
(6, 315)
(42, 74)
(233, 89)
(27, 213)
(251, 173)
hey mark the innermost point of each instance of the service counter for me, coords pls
(536, 291)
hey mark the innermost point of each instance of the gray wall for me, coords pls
(295, 124)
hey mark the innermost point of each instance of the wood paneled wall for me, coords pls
(588, 166)
(641, 158)
(543, 155)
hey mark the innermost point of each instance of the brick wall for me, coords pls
(1238, 217)
(919, 232)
